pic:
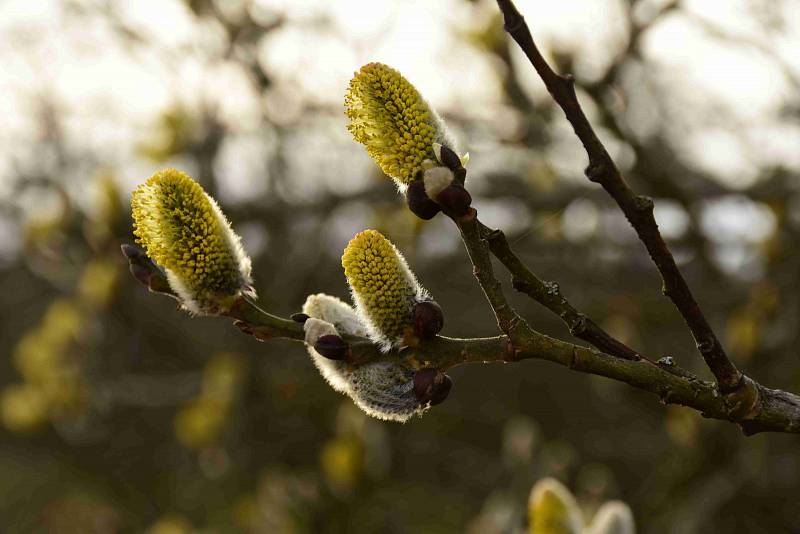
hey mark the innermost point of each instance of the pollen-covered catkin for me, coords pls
(184, 231)
(384, 288)
(391, 119)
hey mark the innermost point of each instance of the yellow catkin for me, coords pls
(552, 509)
(183, 231)
(383, 288)
(392, 120)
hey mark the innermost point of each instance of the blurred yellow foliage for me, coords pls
(23, 407)
(108, 206)
(221, 375)
(174, 132)
(98, 283)
(246, 512)
(342, 462)
(53, 382)
(107, 211)
(61, 323)
(46, 355)
(172, 524)
(744, 327)
(199, 422)
(682, 425)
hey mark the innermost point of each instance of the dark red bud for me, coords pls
(159, 284)
(332, 347)
(141, 273)
(428, 319)
(300, 317)
(450, 159)
(431, 385)
(131, 252)
(454, 200)
(419, 203)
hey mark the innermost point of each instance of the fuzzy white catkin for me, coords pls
(383, 389)
(614, 517)
(334, 311)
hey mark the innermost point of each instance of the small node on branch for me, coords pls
(666, 361)
(644, 203)
(250, 330)
(552, 288)
(596, 172)
(578, 325)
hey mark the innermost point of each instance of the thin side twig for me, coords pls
(549, 295)
(478, 249)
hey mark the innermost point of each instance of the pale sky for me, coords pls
(725, 98)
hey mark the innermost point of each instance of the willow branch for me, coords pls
(478, 249)
(549, 295)
(769, 410)
(637, 209)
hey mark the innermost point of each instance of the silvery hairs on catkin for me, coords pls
(383, 389)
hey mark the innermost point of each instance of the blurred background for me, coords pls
(122, 414)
